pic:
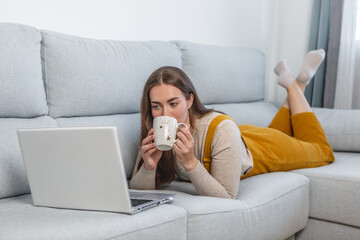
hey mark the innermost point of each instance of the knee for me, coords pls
(330, 154)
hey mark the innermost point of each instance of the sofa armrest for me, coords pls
(342, 128)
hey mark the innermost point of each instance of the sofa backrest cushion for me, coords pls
(13, 178)
(88, 77)
(224, 74)
(22, 91)
(255, 113)
(341, 127)
(128, 132)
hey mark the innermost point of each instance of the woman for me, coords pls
(294, 139)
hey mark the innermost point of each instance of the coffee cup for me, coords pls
(165, 129)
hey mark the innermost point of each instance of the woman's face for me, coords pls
(167, 100)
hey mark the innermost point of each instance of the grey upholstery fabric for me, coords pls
(291, 237)
(21, 86)
(252, 215)
(341, 127)
(13, 178)
(323, 230)
(127, 131)
(87, 77)
(19, 219)
(256, 113)
(335, 190)
(224, 74)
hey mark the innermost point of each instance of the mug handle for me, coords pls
(177, 127)
(181, 124)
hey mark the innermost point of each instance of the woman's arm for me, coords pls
(142, 179)
(227, 153)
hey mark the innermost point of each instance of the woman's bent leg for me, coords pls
(282, 121)
(274, 151)
(307, 128)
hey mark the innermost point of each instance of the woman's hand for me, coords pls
(149, 153)
(184, 149)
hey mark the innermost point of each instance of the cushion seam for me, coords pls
(326, 220)
(330, 179)
(45, 75)
(342, 134)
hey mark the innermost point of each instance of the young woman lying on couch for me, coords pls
(214, 161)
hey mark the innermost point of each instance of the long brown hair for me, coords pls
(165, 171)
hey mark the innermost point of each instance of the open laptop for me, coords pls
(81, 168)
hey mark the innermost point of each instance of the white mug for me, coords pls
(165, 129)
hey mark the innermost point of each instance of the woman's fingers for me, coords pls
(176, 148)
(184, 136)
(187, 134)
(149, 138)
(147, 147)
(179, 142)
(149, 151)
(151, 132)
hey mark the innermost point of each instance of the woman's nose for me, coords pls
(166, 112)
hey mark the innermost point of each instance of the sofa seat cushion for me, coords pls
(19, 219)
(13, 178)
(269, 206)
(318, 229)
(335, 189)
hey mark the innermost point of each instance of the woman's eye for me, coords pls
(155, 107)
(173, 104)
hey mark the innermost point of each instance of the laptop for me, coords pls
(81, 168)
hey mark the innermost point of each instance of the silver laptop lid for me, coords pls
(79, 168)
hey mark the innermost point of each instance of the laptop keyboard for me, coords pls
(136, 202)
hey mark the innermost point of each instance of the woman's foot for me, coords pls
(310, 65)
(284, 73)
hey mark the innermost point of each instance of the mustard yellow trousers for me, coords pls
(289, 142)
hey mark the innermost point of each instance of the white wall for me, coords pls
(289, 24)
(279, 28)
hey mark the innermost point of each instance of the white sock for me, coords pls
(285, 75)
(310, 65)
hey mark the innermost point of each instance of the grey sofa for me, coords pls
(49, 79)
